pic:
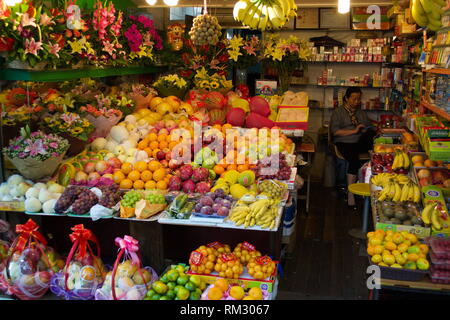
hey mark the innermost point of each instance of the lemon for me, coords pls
(237, 292)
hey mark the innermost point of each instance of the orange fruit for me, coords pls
(154, 145)
(154, 165)
(429, 163)
(217, 126)
(118, 176)
(126, 167)
(150, 185)
(231, 167)
(149, 151)
(164, 144)
(215, 294)
(162, 137)
(146, 175)
(140, 166)
(126, 184)
(155, 151)
(161, 185)
(413, 257)
(222, 284)
(370, 250)
(159, 174)
(152, 137)
(218, 169)
(134, 175)
(169, 138)
(142, 144)
(242, 167)
(138, 184)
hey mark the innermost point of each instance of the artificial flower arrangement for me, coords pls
(171, 84)
(36, 154)
(244, 53)
(285, 55)
(215, 82)
(68, 123)
(33, 36)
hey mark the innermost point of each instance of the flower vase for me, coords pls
(241, 76)
(284, 82)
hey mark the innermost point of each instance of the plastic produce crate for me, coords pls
(402, 274)
(440, 247)
(438, 276)
(440, 264)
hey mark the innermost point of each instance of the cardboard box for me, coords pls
(420, 232)
(433, 193)
(266, 87)
(292, 117)
(245, 280)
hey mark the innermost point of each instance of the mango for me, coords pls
(231, 177)
(237, 191)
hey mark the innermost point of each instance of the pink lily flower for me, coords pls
(54, 49)
(46, 20)
(27, 21)
(32, 46)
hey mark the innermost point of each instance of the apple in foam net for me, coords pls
(81, 176)
(114, 162)
(89, 167)
(101, 166)
(93, 176)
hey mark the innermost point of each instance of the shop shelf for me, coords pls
(333, 86)
(70, 74)
(438, 71)
(436, 110)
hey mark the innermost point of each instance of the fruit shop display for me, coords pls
(245, 252)
(261, 267)
(382, 162)
(396, 188)
(428, 13)
(253, 212)
(400, 250)
(84, 271)
(228, 266)
(422, 161)
(264, 15)
(221, 289)
(15, 188)
(401, 162)
(43, 197)
(175, 284)
(215, 204)
(30, 265)
(129, 279)
(406, 213)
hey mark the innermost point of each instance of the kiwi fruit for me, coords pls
(389, 213)
(395, 221)
(400, 215)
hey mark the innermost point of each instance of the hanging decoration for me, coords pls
(205, 29)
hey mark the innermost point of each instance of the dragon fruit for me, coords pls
(215, 100)
(186, 172)
(188, 186)
(175, 183)
(202, 187)
(200, 174)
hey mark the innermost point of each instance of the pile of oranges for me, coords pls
(142, 175)
(230, 162)
(155, 142)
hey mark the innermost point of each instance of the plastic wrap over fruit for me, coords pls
(84, 271)
(30, 267)
(128, 280)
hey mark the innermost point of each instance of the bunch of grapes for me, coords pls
(156, 198)
(69, 195)
(272, 187)
(130, 198)
(85, 201)
(273, 167)
(205, 30)
(110, 195)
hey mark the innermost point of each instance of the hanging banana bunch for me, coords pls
(264, 14)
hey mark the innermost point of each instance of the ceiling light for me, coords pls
(12, 3)
(343, 6)
(151, 2)
(171, 3)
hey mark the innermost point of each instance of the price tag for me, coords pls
(247, 246)
(215, 245)
(264, 260)
(228, 257)
(12, 206)
(196, 258)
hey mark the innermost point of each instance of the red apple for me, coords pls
(164, 163)
(81, 176)
(377, 158)
(160, 155)
(101, 166)
(114, 162)
(424, 182)
(174, 164)
(89, 167)
(388, 158)
(438, 176)
(93, 176)
(377, 168)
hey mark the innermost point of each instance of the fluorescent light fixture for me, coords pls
(151, 2)
(12, 3)
(343, 6)
(171, 3)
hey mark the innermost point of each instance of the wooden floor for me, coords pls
(325, 263)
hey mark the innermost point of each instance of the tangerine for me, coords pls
(134, 175)
(140, 166)
(142, 144)
(161, 185)
(149, 185)
(413, 257)
(152, 137)
(215, 294)
(159, 174)
(231, 167)
(219, 169)
(126, 167)
(222, 284)
(149, 151)
(242, 167)
(146, 175)
(154, 165)
(169, 138)
(138, 184)
(126, 184)
(154, 145)
(162, 137)
(118, 176)
(163, 144)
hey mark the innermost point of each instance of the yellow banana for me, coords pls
(405, 190)
(411, 194)
(400, 159)
(398, 192)
(417, 193)
(406, 162)
(426, 213)
(435, 220)
(384, 193)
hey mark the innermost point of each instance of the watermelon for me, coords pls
(214, 100)
(216, 116)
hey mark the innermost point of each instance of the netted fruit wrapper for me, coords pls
(30, 264)
(84, 271)
(128, 280)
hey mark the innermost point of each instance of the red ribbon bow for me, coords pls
(26, 231)
(130, 246)
(82, 235)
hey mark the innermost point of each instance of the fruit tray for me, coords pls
(45, 214)
(401, 274)
(440, 247)
(441, 264)
(438, 276)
